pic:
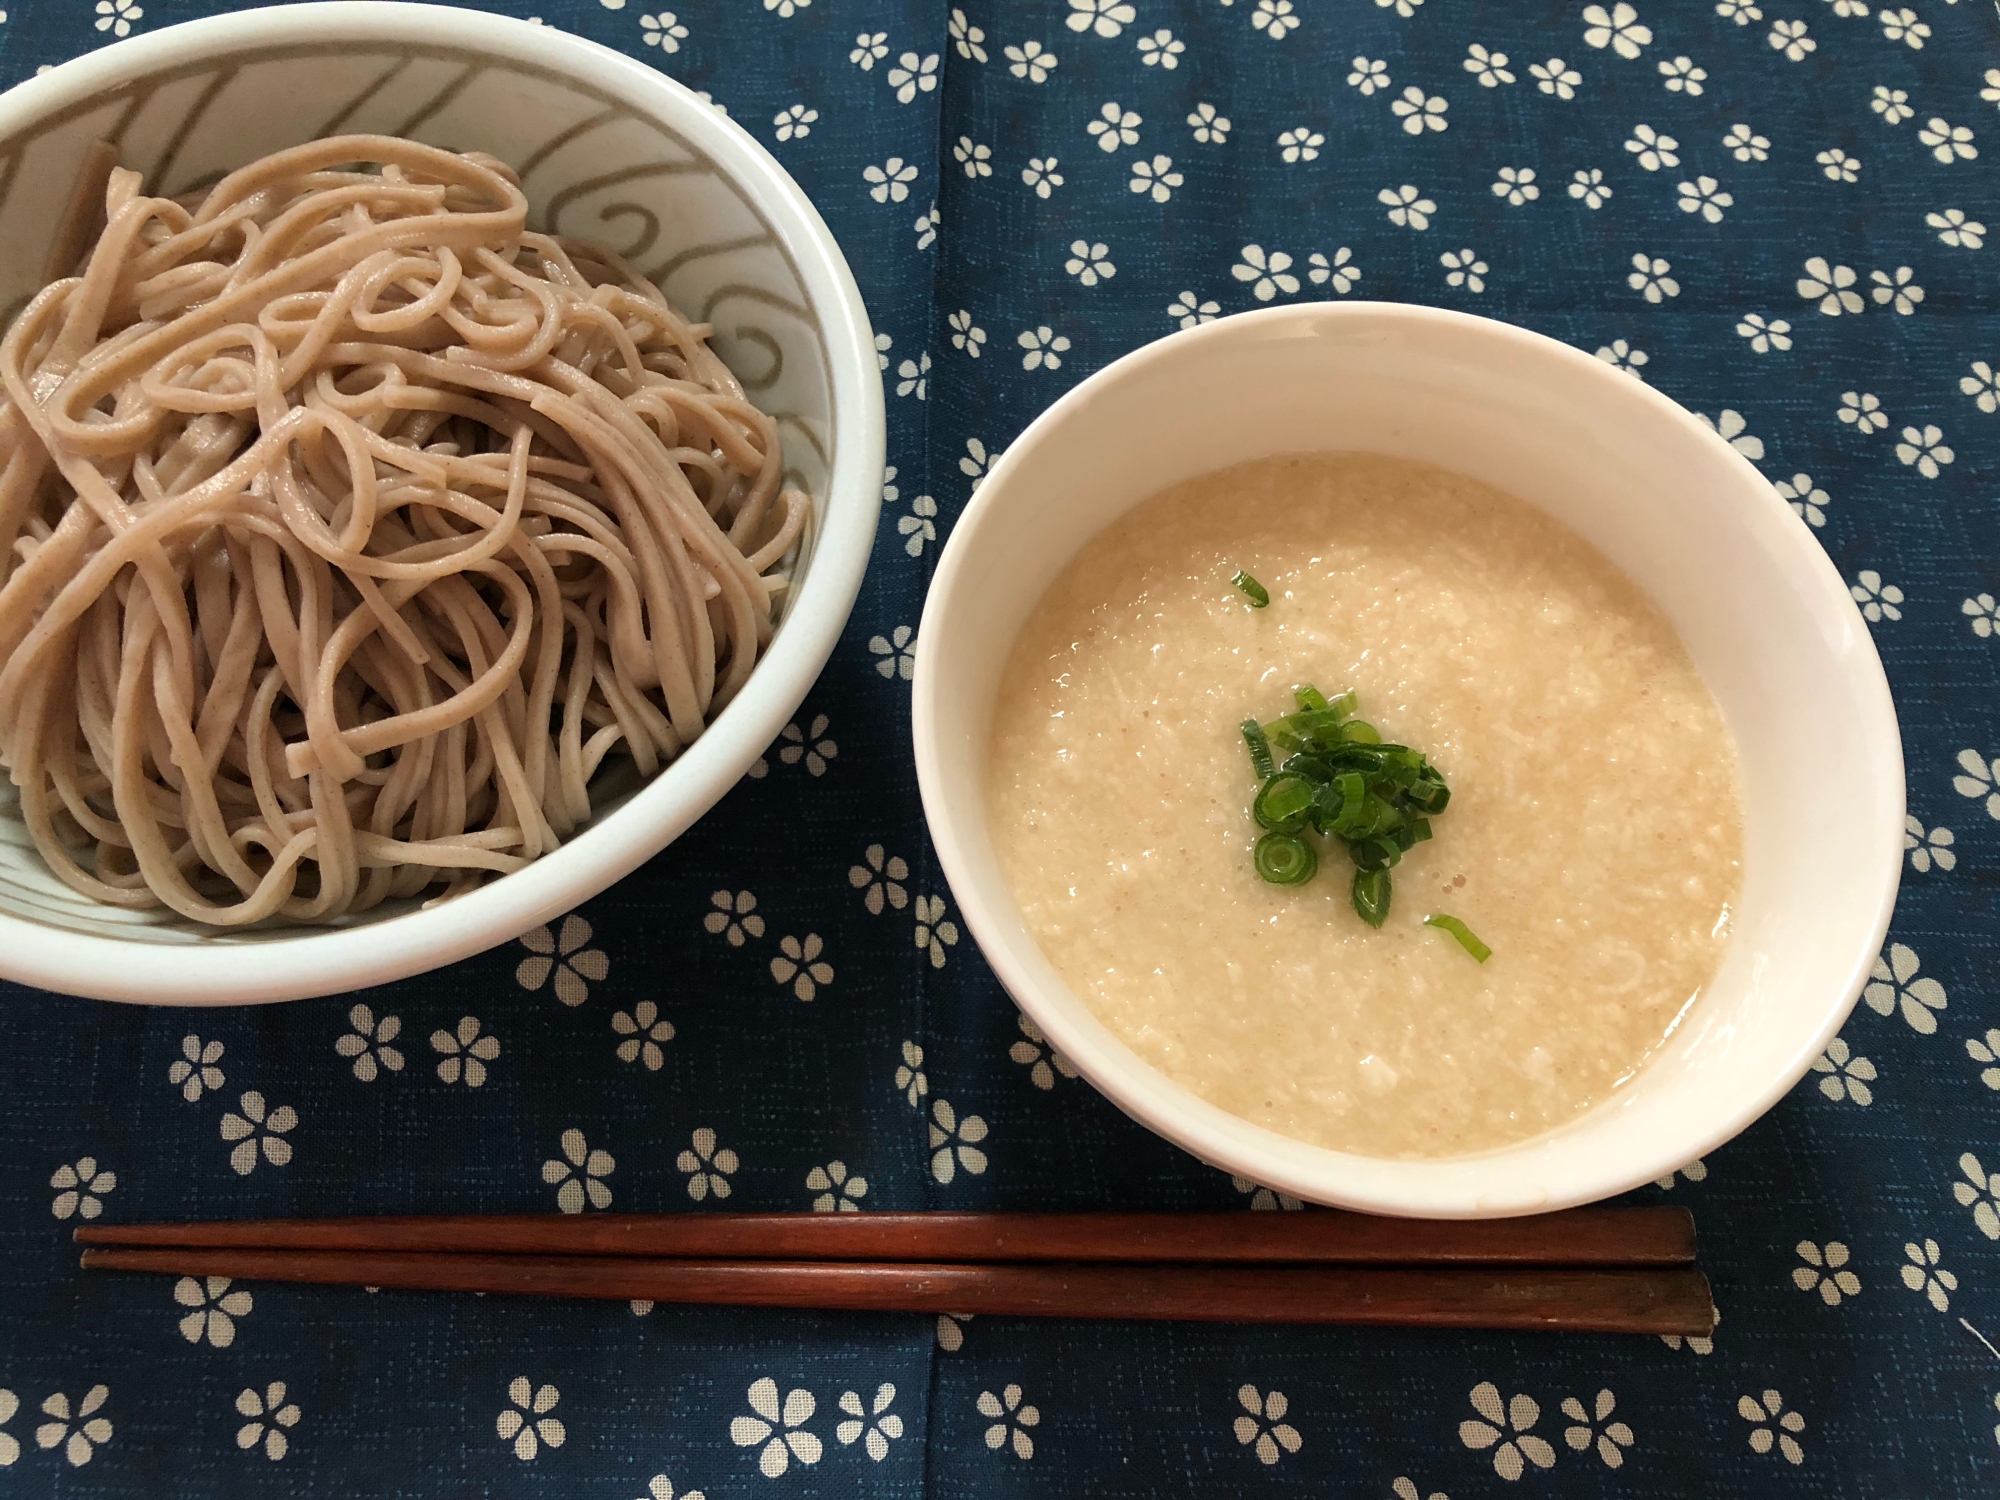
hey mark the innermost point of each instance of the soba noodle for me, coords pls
(346, 526)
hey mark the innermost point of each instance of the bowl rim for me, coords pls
(203, 971)
(1229, 1142)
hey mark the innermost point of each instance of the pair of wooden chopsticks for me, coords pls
(1617, 1270)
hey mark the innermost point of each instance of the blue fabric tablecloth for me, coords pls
(1773, 210)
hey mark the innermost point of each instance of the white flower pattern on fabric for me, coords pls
(839, 1190)
(1045, 348)
(1010, 1419)
(954, 1142)
(1774, 1426)
(913, 75)
(1983, 385)
(1765, 335)
(1893, 105)
(1978, 778)
(216, 1310)
(927, 228)
(1896, 984)
(977, 462)
(644, 1032)
(1898, 288)
(966, 37)
(1807, 500)
(890, 182)
(1588, 187)
(875, 1426)
(1618, 28)
(1862, 411)
(1262, 1428)
(1980, 1192)
(976, 159)
(663, 31)
(1420, 111)
(258, 1132)
(1649, 278)
(1104, 17)
(525, 1423)
(117, 16)
(910, 1080)
(1265, 1200)
(567, 956)
(194, 1071)
(1956, 230)
(880, 878)
(896, 653)
(1704, 196)
(1902, 25)
(1517, 186)
(1620, 355)
(1831, 286)
(1591, 1428)
(1266, 271)
(1464, 268)
(795, 122)
(1924, 1274)
(708, 1167)
(870, 47)
(1734, 430)
(1490, 68)
(270, 1415)
(1190, 311)
(659, 1487)
(934, 934)
(1694, 1171)
(1825, 1271)
(777, 1432)
(1161, 50)
(1507, 1426)
(368, 1044)
(809, 745)
(786, 9)
(1034, 1052)
(1210, 128)
(1115, 126)
(965, 335)
(1040, 174)
(1405, 1488)
(1924, 449)
(1789, 37)
(1340, 273)
(1032, 61)
(10, 1404)
(1403, 8)
(1948, 143)
(1682, 76)
(1369, 75)
(578, 1174)
(735, 917)
(1928, 846)
(1090, 262)
(1984, 611)
(1298, 145)
(913, 376)
(1555, 77)
(1157, 178)
(1845, 1075)
(465, 1053)
(1745, 144)
(798, 963)
(1987, 1052)
(1653, 149)
(1408, 208)
(1275, 18)
(1838, 166)
(1742, 12)
(79, 1433)
(951, 1331)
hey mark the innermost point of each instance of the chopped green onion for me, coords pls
(1467, 939)
(1260, 749)
(1282, 803)
(1258, 595)
(1360, 731)
(1285, 859)
(1371, 896)
(1310, 696)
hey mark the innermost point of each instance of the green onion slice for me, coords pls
(1282, 803)
(1258, 595)
(1371, 896)
(1361, 732)
(1260, 749)
(1467, 939)
(1285, 859)
(1310, 696)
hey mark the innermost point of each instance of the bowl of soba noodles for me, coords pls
(435, 461)
(1408, 762)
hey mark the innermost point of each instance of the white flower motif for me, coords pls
(1956, 230)
(1619, 29)
(799, 964)
(1262, 1427)
(913, 75)
(10, 1446)
(1032, 61)
(1105, 17)
(1879, 601)
(1300, 144)
(1846, 9)
(1893, 105)
(1734, 430)
(794, 122)
(1894, 985)
(1805, 498)
(1924, 1274)
(839, 1192)
(1742, 12)
(567, 956)
(879, 1425)
(976, 159)
(1340, 273)
(216, 1309)
(1765, 335)
(1011, 1419)
(1403, 8)
(1464, 268)
(1210, 128)
(1089, 263)
(1368, 74)
(1034, 1053)
(1948, 142)
(1980, 1192)
(1490, 68)
(1650, 279)
(1189, 310)
(368, 1043)
(644, 1031)
(1903, 26)
(1983, 385)
(1115, 126)
(976, 462)
(1924, 450)
(881, 879)
(1697, 1344)
(577, 1175)
(1825, 1271)
(1987, 1052)
(1405, 1488)
(1991, 93)
(1420, 112)
(1040, 174)
(1158, 177)
(813, 747)
(1863, 411)
(1775, 1427)
(465, 1052)
(1838, 166)
(890, 181)
(910, 1080)
(708, 1168)
(780, 1430)
(1274, 18)
(81, 1433)
(734, 918)
(1704, 196)
(1265, 1200)
(1161, 50)
(1694, 1171)
(1682, 76)
(525, 1422)
(1845, 1076)
(1746, 145)
(883, 343)
(870, 47)
(256, 1132)
(1927, 847)
(954, 1142)
(1517, 185)
(1789, 37)
(951, 1331)
(1590, 1428)
(117, 16)
(1267, 271)
(967, 37)
(1985, 614)
(659, 1487)
(1900, 289)
(1622, 356)
(1653, 149)
(934, 933)
(913, 376)
(270, 1415)
(1508, 1427)
(896, 652)
(965, 336)
(1589, 187)
(1408, 209)
(1555, 77)
(1832, 286)
(195, 1069)
(786, 9)
(927, 226)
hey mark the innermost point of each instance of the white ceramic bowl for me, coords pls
(608, 149)
(1765, 616)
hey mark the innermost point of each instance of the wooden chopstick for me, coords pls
(1603, 1237)
(1658, 1300)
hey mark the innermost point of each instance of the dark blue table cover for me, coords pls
(1772, 210)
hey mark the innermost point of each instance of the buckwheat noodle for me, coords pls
(347, 526)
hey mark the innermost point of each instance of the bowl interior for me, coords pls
(1765, 617)
(606, 150)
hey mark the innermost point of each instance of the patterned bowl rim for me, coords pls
(218, 971)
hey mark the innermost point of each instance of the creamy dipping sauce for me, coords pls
(1593, 838)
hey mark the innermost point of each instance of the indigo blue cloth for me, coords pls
(1772, 210)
